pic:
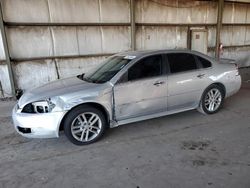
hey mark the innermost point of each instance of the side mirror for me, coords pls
(81, 76)
(19, 93)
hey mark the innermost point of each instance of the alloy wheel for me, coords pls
(213, 100)
(86, 126)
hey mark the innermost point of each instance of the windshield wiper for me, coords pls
(87, 79)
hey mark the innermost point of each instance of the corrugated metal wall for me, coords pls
(236, 35)
(51, 39)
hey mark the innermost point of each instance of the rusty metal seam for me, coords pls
(1, 89)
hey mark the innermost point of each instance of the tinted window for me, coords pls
(204, 63)
(147, 67)
(179, 62)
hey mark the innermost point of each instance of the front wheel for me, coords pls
(84, 125)
(212, 100)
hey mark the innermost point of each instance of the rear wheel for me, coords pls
(212, 100)
(84, 125)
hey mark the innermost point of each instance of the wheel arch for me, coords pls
(217, 84)
(221, 85)
(92, 104)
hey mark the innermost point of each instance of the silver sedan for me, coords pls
(127, 87)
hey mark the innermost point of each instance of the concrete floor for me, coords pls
(183, 150)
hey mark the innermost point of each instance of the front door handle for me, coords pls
(200, 75)
(159, 83)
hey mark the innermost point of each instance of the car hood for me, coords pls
(56, 88)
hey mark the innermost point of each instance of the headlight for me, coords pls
(43, 106)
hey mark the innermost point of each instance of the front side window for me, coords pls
(145, 68)
(180, 62)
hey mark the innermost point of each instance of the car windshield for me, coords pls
(107, 70)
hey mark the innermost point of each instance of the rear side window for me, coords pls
(145, 68)
(204, 63)
(180, 62)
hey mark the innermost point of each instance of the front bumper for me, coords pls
(43, 125)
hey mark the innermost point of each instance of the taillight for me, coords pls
(237, 70)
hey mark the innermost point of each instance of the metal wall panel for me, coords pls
(90, 40)
(226, 36)
(236, 13)
(73, 67)
(207, 13)
(239, 35)
(2, 54)
(234, 35)
(4, 79)
(73, 11)
(248, 14)
(211, 36)
(160, 11)
(103, 39)
(66, 11)
(212, 10)
(243, 1)
(34, 73)
(43, 71)
(27, 42)
(211, 53)
(25, 10)
(115, 39)
(30, 42)
(65, 41)
(247, 39)
(150, 12)
(161, 37)
(114, 11)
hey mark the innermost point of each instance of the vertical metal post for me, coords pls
(6, 51)
(132, 24)
(189, 37)
(218, 28)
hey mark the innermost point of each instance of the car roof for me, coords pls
(141, 53)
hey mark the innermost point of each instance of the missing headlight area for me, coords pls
(39, 107)
(28, 109)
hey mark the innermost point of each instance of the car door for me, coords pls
(185, 81)
(142, 90)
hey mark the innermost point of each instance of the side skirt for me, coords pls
(151, 116)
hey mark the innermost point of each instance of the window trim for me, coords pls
(200, 64)
(163, 69)
(187, 71)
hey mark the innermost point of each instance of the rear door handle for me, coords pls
(159, 83)
(200, 75)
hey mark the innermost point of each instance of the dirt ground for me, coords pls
(182, 150)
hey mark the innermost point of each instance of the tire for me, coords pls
(84, 125)
(211, 100)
